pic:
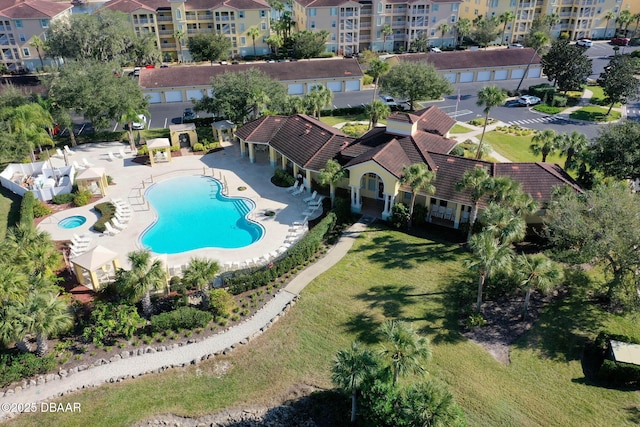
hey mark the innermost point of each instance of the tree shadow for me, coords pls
(364, 327)
(444, 327)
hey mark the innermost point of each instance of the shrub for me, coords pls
(542, 91)
(180, 318)
(40, 209)
(26, 208)
(547, 109)
(110, 321)
(15, 366)
(62, 199)
(326, 55)
(559, 101)
(282, 178)
(457, 151)
(221, 302)
(82, 197)
(474, 320)
(198, 147)
(106, 213)
(367, 80)
(399, 216)
(143, 151)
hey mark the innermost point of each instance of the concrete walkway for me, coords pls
(155, 359)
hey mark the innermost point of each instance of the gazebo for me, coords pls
(224, 130)
(97, 262)
(93, 179)
(188, 129)
(159, 150)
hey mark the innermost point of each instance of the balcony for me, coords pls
(223, 19)
(164, 18)
(165, 32)
(349, 13)
(365, 25)
(5, 27)
(142, 21)
(168, 46)
(365, 38)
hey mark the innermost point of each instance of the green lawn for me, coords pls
(457, 128)
(516, 148)
(334, 120)
(595, 114)
(9, 210)
(387, 275)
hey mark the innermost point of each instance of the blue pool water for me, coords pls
(72, 222)
(193, 214)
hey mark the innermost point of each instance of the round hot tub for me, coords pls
(72, 221)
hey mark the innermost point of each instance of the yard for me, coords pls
(516, 148)
(387, 275)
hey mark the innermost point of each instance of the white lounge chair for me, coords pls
(59, 153)
(123, 212)
(310, 211)
(68, 150)
(300, 190)
(111, 156)
(317, 203)
(310, 198)
(86, 162)
(110, 230)
(79, 243)
(82, 238)
(122, 153)
(123, 219)
(294, 187)
(77, 166)
(117, 224)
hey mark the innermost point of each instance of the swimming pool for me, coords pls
(72, 222)
(192, 213)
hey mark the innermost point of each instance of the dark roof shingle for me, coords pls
(460, 60)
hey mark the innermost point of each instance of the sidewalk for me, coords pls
(155, 359)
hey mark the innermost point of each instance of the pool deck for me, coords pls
(132, 179)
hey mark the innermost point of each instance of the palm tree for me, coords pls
(405, 350)
(429, 403)
(13, 284)
(478, 182)
(489, 96)
(503, 224)
(463, 29)
(636, 17)
(377, 69)
(419, 178)
(538, 41)
(544, 142)
(332, 174)
(608, 16)
(276, 41)
(570, 144)
(489, 256)
(507, 192)
(179, 35)
(31, 121)
(443, 28)
(318, 97)
(46, 315)
(386, 32)
(129, 117)
(199, 273)
(295, 105)
(539, 272)
(376, 110)
(145, 275)
(505, 18)
(253, 33)
(38, 43)
(25, 245)
(624, 19)
(350, 370)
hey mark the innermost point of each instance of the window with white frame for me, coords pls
(240, 14)
(453, 18)
(25, 51)
(263, 26)
(312, 24)
(178, 14)
(18, 23)
(334, 11)
(312, 11)
(243, 41)
(44, 23)
(333, 24)
(263, 13)
(241, 27)
(22, 37)
(454, 7)
(435, 7)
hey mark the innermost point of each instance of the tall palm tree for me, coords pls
(507, 192)
(145, 275)
(537, 272)
(489, 256)
(608, 16)
(505, 18)
(544, 142)
(318, 97)
(30, 121)
(199, 273)
(13, 284)
(625, 18)
(332, 174)
(503, 224)
(538, 41)
(419, 178)
(443, 28)
(253, 33)
(488, 97)
(636, 17)
(478, 182)
(377, 69)
(405, 350)
(463, 28)
(46, 315)
(570, 144)
(350, 370)
(25, 245)
(129, 117)
(386, 32)
(376, 110)
(276, 41)
(38, 43)
(179, 35)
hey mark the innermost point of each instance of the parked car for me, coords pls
(635, 42)
(515, 46)
(435, 50)
(620, 41)
(527, 100)
(140, 124)
(136, 71)
(189, 114)
(584, 42)
(388, 100)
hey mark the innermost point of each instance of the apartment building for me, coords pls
(577, 18)
(355, 26)
(173, 21)
(20, 22)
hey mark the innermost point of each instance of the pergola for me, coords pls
(162, 148)
(224, 128)
(95, 261)
(93, 179)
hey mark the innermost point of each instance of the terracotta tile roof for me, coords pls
(434, 120)
(458, 60)
(129, 6)
(32, 9)
(200, 75)
(262, 129)
(321, 3)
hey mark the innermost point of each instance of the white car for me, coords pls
(435, 50)
(515, 46)
(388, 100)
(584, 43)
(528, 100)
(137, 125)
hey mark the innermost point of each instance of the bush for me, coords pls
(107, 210)
(543, 91)
(16, 366)
(399, 216)
(180, 318)
(326, 55)
(282, 178)
(82, 197)
(547, 109)
(457, 151)
(26, 208)
(62, 199)
(110, 321)
(559, 101)
(367, 80)
(198, 147)
(40, 209)
(221, 302)
(143, 151)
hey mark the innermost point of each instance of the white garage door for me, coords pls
(466, 77)
(296, 89)
(500, 75)
(194, 94)
(451, 77)
(517, 74)
(173, 96)
(484, 76)
(154, 97)
(534, 73)
(352, 85)
(335, 86)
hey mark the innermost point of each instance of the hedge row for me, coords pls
(26, 208)
(14, 367)
(181, 318)
(352, 111)
(107, 210)
(297, 255)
